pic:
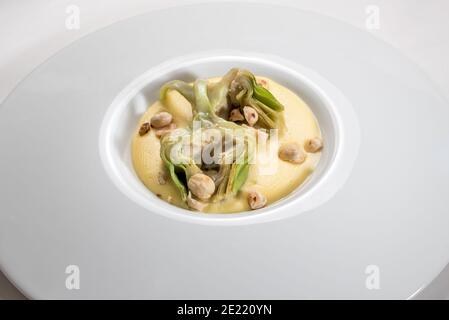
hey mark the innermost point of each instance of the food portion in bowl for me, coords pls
(228, 144)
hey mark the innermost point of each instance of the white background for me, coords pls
(33, 30)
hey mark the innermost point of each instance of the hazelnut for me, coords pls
(162, 178)
(236, 115)
(251, 115)
(256, 200)
(292, 152)
(201, 185)
(144, 128)
(263, 83)
(313, 145)
(161, 131)
(161, 119)
(195, 204)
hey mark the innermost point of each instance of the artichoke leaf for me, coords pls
(184, 88)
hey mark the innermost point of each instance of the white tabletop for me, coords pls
(33, 31)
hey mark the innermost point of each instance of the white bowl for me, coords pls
(333, 112)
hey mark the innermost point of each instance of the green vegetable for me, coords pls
(218, 93)
(265, 97)
(246, 92)
(184, 88)
(177, 160)
(202, 103)
(211, 104)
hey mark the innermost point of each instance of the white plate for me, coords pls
(59, 206)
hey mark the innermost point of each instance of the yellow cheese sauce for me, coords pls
(300, 123)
